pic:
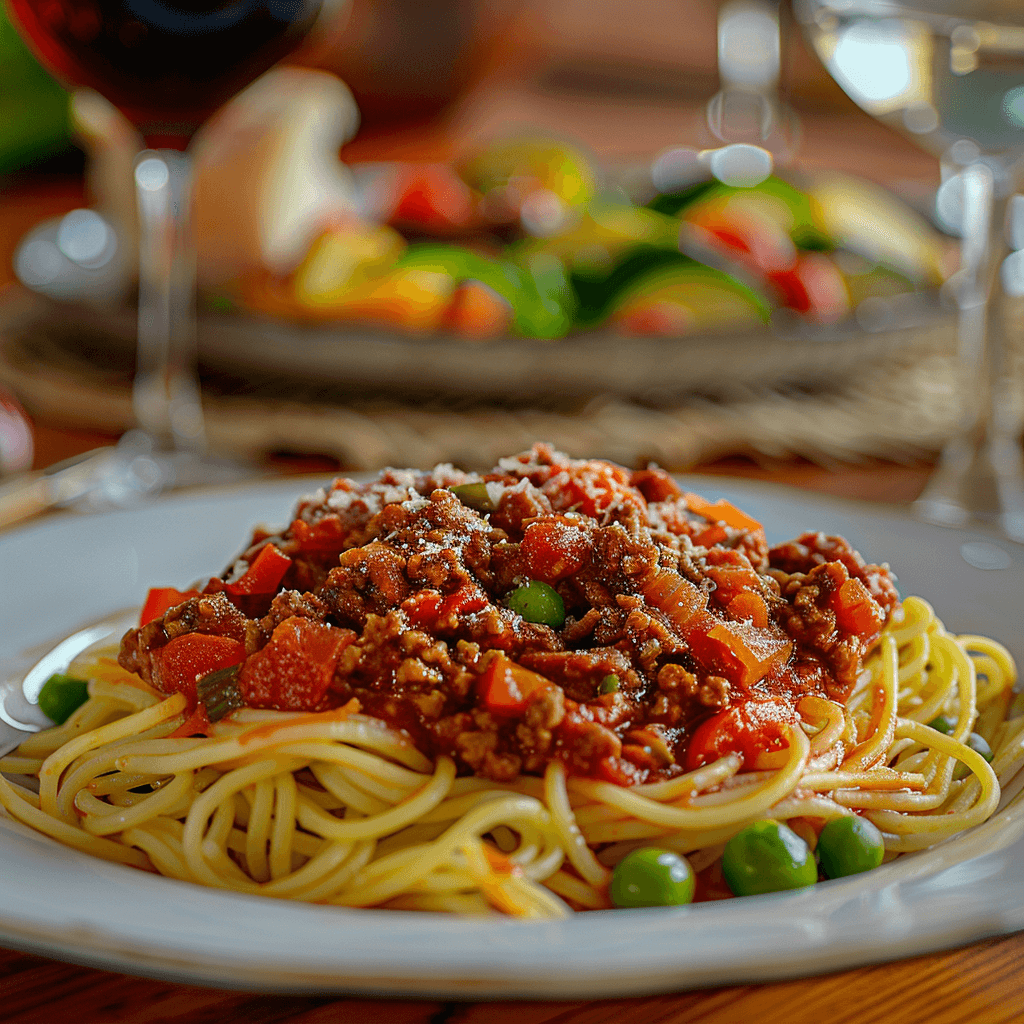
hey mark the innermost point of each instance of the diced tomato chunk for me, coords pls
(430, 609)
(433, 197)
(197, 724)
(655, 484)
(507, 688)
(747, 729)
(295, 669)
(264, 575)
(183, 661)
(160, 600)
(555, 547)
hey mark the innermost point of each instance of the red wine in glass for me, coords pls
(167, 64)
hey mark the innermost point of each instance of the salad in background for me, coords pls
(34, 118)
(522, 238)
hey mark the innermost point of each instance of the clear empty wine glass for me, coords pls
(950, 75)
(167, 66)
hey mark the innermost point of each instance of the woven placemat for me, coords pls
(900, 407)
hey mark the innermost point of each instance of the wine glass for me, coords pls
(950, 75)
(168, 65)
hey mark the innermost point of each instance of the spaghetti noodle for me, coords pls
(336, 805)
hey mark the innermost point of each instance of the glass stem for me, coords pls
(165, 396)
(977, 477)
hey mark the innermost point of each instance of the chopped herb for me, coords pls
(219, 692)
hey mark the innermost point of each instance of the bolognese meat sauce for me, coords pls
(683, 634)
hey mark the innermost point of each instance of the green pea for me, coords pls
(474, 496)
(609, 684)
(767, 856)
(943, 724)
(652, 878)
(538, 602)
(980, 745)
(61, 696)
(850, 845)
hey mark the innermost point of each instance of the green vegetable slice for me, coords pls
(649, 877)
(538, 602)
(610, 684)
(61, 696)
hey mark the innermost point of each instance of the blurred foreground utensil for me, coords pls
(19, 696)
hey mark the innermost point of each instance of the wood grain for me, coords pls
(979, 984)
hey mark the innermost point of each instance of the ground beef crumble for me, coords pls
(672, 615)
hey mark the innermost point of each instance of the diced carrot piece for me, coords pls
(739, 651)
(751, 606)
(856, 610)
(721, 511)
(714, 534)
(675, 597)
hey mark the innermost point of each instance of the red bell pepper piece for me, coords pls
(161, 599)
(506, 688)
(183, 661)
(265, 573)
(326, 534)
(294, 670)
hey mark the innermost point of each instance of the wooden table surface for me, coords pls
(978, 984)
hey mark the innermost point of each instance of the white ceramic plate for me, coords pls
(61, 573)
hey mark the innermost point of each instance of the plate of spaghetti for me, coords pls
(557, 729)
